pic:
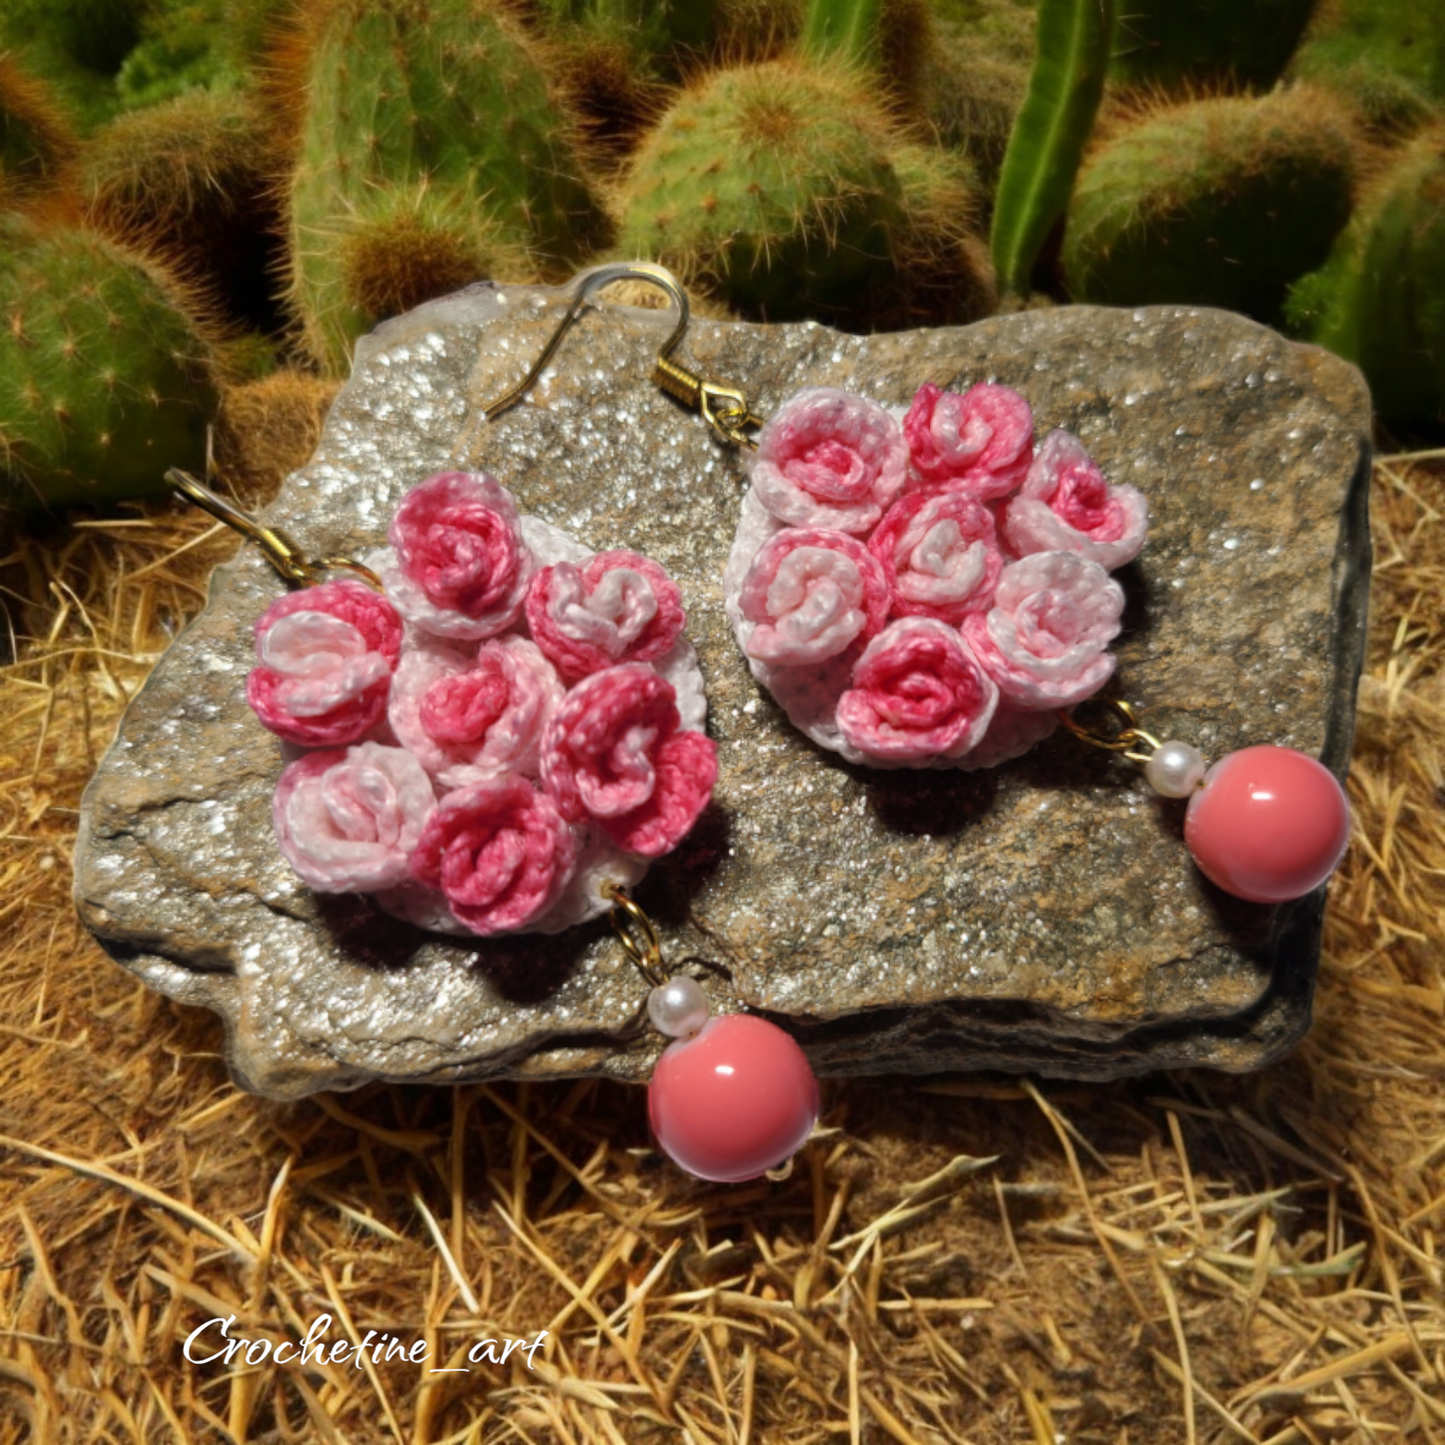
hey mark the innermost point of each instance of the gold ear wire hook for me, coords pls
(724, 408)
(281, 552)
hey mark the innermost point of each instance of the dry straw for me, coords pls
(1185, 1258)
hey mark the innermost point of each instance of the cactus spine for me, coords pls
(105, 380)
(35, 136)
(1049, 135)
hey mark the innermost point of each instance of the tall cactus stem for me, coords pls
(1050, 133)
(846, 30)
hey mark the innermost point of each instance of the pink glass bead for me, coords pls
(1267, 824)
(733, 1102)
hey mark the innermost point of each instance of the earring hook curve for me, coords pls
(724, 408)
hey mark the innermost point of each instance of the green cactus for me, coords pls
(405, 246)
(845, 30)
(186, 55)
(893, 40)
(1218, 202)
(36, 139)
(75, 45)
(188, 45)
(105, 380)
(663, 30)
(1049, 136)
(978, 75)
(1379, 300)
(193, 177)
(1387, 56)
(1176, 43)
(784, 189)
(408, 94)
(615, 58)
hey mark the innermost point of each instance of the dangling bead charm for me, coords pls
(1268, 824)
(1265, 823)
(734, 1096)
(734, 1101)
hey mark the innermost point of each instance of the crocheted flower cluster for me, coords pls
(921, 588)
(515, 724)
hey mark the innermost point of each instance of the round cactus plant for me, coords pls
(193, 177)
(105, 380)
(1219, 202)
(1379, 301)
(784, 189)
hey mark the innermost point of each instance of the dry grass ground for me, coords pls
(1183, 1258)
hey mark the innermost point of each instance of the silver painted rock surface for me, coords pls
(1043, 916)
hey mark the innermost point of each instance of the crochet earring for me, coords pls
(488, 730)
(921, 587)
(487, 725)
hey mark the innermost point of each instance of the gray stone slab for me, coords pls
(1044, 916)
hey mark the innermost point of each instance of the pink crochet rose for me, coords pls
(1045, 639)
(940, 555)
(810, 593)
(462, 567)
(1065, 505)
(347, 819)
(980, 442)
(499, 851)
(468, 719)
(918, 693)
(613, 753)
(616, 607)
(326, 658)
(829, 459)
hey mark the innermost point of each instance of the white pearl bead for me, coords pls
(1174, 770)
(678, 1007)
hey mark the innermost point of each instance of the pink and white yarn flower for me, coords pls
(1065, 505)
(1045, 639)
(326, 658)
(471, 717)
(918, 696)
(829, 459)
(809, 594)
(1002, 554)
(458, 567)
(979, 442)
(461, 828)
(499, 851)
(616, 607)
(939, 554)
(614, 753)
(347, 819)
